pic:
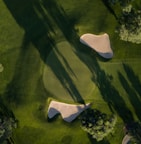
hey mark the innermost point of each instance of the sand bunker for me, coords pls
(68, 111)
(126, 139)
(99, 43)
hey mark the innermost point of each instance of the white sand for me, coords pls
(68, 111)
(100, 43)
(126, 139)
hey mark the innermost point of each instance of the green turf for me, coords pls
(32, 74)
(68, 75)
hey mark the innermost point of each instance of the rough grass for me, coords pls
(23, 56)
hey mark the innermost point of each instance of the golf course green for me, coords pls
(41, 58)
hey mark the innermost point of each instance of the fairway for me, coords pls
(41, 58)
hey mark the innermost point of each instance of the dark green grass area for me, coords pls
(43, 58)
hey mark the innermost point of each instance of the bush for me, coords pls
(130, 25)
(7, 122)
(97, 124)
(129, 19)
(134, 130)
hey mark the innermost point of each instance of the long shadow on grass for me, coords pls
(109, 92)
(132, 90)
(135, 101)
(112, 96)
(37, 26)
(5, 111)
(31, 17)
(26, 80)
(65, 25)
(37, 31)
(134, 79)
(14, 92)
(66, 81)
(64, 22)
(17, 89)
(108, 6)
(37, 18)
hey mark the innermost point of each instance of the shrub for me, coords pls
(7, 123)
(130, 25)
(134, 130)
(97, 124)
(128, 18)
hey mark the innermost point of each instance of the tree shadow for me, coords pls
(109, 93)
(15, 90)
(134, 79)
(110, 9)
(112, 97)
(66, 26)
(36, 24)
(66, 63)
(5, 111)
(37, 27)
(62, 20)
(102, 80)
(37, 19)
(65, 80)
(132, 95)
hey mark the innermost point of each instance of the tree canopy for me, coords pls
(128, 18)
(97, 124)
(7, 123)
(134, 130)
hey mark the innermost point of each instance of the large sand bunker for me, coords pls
(69, 112)
(99, 43)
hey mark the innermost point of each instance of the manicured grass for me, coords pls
(31, 74)
(11, 35)
(67, 74)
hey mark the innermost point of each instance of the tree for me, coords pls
(121, 2)
(130, 25)
(7, 123)
(97, 124)
(128, 18)
(134, 130)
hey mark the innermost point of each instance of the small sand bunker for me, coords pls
(68, 111)
(99, 43)
(126, 139)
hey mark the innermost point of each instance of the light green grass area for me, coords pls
(70, 72)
